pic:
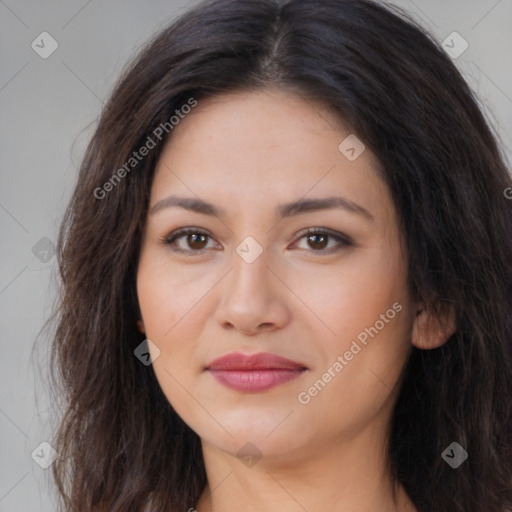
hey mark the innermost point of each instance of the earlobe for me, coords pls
(430, 331)
(140, 326)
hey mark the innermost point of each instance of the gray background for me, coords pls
(48, 112)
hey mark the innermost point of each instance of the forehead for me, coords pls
(271, 146)
(264, 121)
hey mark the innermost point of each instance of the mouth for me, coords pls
(254, 373)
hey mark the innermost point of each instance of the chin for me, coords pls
(256, 437)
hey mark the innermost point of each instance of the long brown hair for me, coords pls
(121, 445)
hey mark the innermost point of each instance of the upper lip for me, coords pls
(262, 361)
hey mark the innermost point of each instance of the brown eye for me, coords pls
(317, 241)
(188, 240)
(196, 241)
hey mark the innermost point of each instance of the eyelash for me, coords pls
(342, 239)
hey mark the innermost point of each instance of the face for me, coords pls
(323, 285)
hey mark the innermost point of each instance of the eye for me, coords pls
(194, 240)
(318, 239)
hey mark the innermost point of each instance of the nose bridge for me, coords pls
(250, 296)
(250, 274)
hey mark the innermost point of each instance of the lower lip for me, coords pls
(254, 381)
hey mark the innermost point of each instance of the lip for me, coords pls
(254, 373)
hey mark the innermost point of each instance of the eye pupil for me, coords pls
(315, 240)
(193, 238)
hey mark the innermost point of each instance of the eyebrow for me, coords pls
(284, 210)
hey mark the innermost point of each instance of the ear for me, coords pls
(430, 330)
(140, 326)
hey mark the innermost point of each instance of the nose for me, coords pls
(253, 299)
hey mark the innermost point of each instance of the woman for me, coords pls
(287, 275)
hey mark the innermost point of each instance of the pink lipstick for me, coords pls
(254, 373)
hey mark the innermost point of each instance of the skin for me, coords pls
(247, 153)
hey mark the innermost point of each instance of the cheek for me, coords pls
(358, 380)
(351, 296)
(367, 305)
(168, 295)
(175, 305)
(170, 304)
